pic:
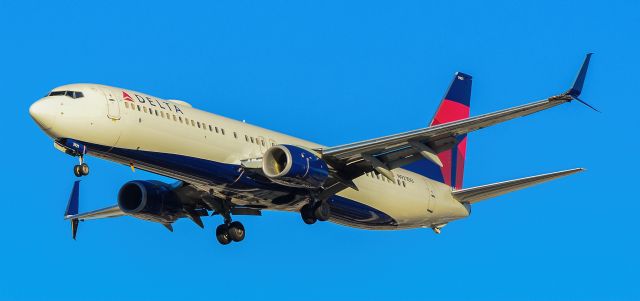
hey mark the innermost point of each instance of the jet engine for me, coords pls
(294, 166)
(150, 200)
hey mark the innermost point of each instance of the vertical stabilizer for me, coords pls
(454, 106)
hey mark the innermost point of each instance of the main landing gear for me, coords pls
(229, 231)
(318, 211)
(226, 233)
(81, 169)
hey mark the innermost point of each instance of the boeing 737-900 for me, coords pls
(230, 168)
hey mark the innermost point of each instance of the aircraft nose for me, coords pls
(43, 113)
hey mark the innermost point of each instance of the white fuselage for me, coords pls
(121, 123)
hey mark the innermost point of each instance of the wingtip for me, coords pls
(575, 170)
(576, 88)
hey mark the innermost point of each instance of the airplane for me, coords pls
(231, 168)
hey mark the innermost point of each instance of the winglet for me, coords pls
(72, 208)
(576, 89)
(72, 205)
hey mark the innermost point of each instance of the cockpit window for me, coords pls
(72, 94)
(56, 93)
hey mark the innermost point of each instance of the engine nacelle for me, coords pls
(150, 200)
(294, 166)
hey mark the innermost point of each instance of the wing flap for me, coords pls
(481, 193)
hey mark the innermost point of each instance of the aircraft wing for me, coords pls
(113, 211)
(71, 213)
(386, 153)
(399, 146)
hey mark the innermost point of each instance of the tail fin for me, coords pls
(454, 106)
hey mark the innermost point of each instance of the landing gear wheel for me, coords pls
(84, 169)
(322, 211)
(236, 231)
(222, 234)
(77, 170)
(306, 212)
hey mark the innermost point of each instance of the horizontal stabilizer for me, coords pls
(481, 193)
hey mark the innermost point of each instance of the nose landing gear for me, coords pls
(81, 169)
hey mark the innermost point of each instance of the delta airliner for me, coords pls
(230, 168)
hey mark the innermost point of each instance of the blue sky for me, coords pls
(334, 72)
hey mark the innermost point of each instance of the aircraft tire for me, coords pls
(236, 231)
(84, 169)
(222, 234)
(77, 170)
(322, 212)
(306, 212)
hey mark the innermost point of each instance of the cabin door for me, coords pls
(113, 105)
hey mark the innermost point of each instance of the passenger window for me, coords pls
(222, 130)
(138, 107)
(210, 128)
(161, 114)
(216, 130)
(198, 124)
(251, 139)
(193, 123)
(156, 112)
(145, 109)
(126, 105)
(246, 138)
(180, 118)
(186, 120)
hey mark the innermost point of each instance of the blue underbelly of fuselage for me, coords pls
(232, 179)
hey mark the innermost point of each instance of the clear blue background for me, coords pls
(334, 72)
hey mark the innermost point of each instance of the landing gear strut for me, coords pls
(81, 169)
(229, 231)
(320, 211)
